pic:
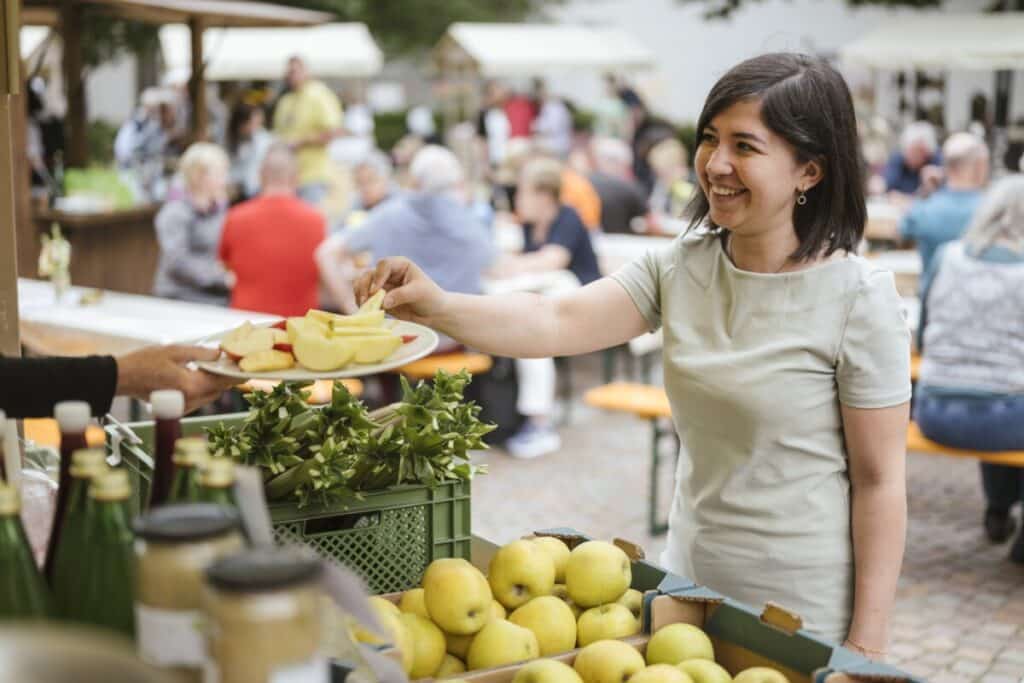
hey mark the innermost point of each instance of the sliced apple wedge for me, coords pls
(374, 349)
(359, 332)
(321, 354)
(258, 339)
(370, 319)
(266, 361)
(280, 336)
(373, 303)
(306, 326)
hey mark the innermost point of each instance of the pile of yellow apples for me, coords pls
(319, 341)
(540, 599)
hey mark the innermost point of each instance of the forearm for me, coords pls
(879, 531)
(521, 325)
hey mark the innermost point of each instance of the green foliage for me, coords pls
(389, 127)
(322, 455)
(410, 26)
(100, 136)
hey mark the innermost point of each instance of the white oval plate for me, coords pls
(425, 342)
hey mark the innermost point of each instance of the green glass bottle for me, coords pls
(107, 565)
(86, 464)
(23, 593)
(217, 482)
(189, 454)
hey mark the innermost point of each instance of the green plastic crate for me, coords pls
(389, 537)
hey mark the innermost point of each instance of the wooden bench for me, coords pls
(919, 443)
(649, 403)
(426, 368)
(319, 392)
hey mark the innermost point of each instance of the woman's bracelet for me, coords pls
(868, 650)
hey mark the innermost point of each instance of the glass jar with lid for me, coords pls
(263, 610)
(174, 545)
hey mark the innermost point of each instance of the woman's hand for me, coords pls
(411, 295)
(163, 367)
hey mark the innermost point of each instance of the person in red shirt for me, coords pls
(268, 243)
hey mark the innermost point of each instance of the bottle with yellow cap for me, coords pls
(107, 568)
(23, 593)
(86, 464)
(189, 454)
(217, 482)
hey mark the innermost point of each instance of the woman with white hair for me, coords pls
(971, 387)
(188, 230)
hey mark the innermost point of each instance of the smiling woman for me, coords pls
(786, 357)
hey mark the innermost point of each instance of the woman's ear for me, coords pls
(812, 174)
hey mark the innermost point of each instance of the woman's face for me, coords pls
(749, 174)
(209, 186)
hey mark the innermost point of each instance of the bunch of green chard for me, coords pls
(323, 455)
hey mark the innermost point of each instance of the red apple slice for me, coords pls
(280, 325)
(409, 338)
(260, 339)
(266, 361)
(284, 346)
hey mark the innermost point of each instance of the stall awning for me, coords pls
(524, 49)
(212, 12)
(942, 41)
(330, 50)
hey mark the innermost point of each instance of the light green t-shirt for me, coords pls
(756, 366)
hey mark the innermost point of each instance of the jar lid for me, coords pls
(10, 501)
(186, 523)
(190, 451)
(112, 485)
(263, 569)
(167, 404)
(72, 416)
(86, 463)
(217, 473)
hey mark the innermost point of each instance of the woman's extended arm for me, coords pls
(594, 317)
(876, 442)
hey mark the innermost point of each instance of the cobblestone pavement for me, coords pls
(959, 615)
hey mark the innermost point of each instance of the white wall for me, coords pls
(692, 53)
(110, 91)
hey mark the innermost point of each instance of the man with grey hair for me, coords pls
(372, 177)
(945, 214)
(432, 226)
(914, 162)
(622, 199)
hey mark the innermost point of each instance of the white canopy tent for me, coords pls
(942, 41)
(503, 50)
(330, 50)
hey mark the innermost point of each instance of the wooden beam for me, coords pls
(25, 228)
(196, 82)
(76, 149)
(10, 62)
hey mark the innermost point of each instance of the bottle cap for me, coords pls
(190, 451)
(72, 416)
(112, 485)
(167, 404)
(86, 463)
(186, 523)
(217, 473)
(264, 569)
(10, 501)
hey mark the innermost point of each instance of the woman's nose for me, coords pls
(718, 163)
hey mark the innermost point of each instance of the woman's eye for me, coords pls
(707, 137)
(744, 147)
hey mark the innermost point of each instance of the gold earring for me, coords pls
(801, 198)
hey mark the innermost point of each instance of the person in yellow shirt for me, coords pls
(308, 117)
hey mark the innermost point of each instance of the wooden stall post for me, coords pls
(10, 64)
(77, 148)
(196, 82)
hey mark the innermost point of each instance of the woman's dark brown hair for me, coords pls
(805, 102)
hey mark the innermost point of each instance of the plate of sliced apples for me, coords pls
(321, 345)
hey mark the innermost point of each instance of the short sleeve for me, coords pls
(642, 281)
(568, 231)
(873, 365)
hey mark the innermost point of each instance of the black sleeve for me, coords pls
(29, 387)
(567, 230)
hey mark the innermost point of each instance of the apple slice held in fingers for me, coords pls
(374, 303)
(266, 361)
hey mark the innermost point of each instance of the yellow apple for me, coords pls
(374, 349)
(705, 671)
(597, 573)
(380, 607)
(266, 361)
(519, 572)
(677, 643)
(605, 623)
(458, 646)
(450, 666)
(558, 552)
(562, 593)
(428, 645)
(546, 671)
(551, 621)
(660, 673)
(760, 674)
(412, 602)
(501, 642)
(633, 600)
(457, 596)
(321, 354)
(497, 610)
(608, 661)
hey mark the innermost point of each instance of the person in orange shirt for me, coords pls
(580, 194)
